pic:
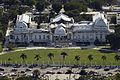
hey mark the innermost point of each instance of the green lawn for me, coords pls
(15, 56)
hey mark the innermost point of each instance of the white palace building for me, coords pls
(62, 30)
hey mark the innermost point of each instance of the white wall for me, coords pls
(89, 37)
(40, 37)
(118, 19)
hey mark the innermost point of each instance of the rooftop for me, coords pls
(61, 17)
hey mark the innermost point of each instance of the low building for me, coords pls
(111, 8)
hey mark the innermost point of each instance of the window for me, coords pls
(87, 37)
(79, 36)
(82, 36)
(48, 37)
(11, 37)
(39, 36)
(17, 38)
(22, 37)
(20, 26)
(43, 36)
(35, 37)
(100, 36)
(26, 37)
(76, 37)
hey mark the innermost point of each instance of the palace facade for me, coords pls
(62, 30)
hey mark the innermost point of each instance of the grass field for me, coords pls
(15, 56)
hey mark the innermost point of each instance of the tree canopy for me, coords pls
(71, 6)
(114, 38)
(57, 7)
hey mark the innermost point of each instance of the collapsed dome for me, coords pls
(60, 31)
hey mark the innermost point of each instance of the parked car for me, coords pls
(28, 70)
(1, 69)
(50, 72)
(106, 69)
(13, 70)
(22, 71)
(58, 46)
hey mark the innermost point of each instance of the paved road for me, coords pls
(63, 70)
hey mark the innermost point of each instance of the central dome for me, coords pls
(60, 31)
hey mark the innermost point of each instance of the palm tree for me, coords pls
(37, 57)
(64, 54)
(23, 57)
(77, 58)
(9, 59)
(50, 56)
(90, 57)
(117, 57)
(103, 58)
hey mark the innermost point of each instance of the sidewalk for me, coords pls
(31, 48)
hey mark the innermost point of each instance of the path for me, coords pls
(31, 48)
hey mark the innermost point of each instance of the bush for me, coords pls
(11, 46)
(57, 7)
(75, 6)
(83, 72)
(5, 78)
(24, 78)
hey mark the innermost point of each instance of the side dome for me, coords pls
(60, 31)
(21, 25)
(100, 22)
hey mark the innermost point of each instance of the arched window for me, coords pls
(17, 38)
(11, 37)
(48, 37)
(39, 36)
(43, 36)
(35, 37)
(100, 36)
